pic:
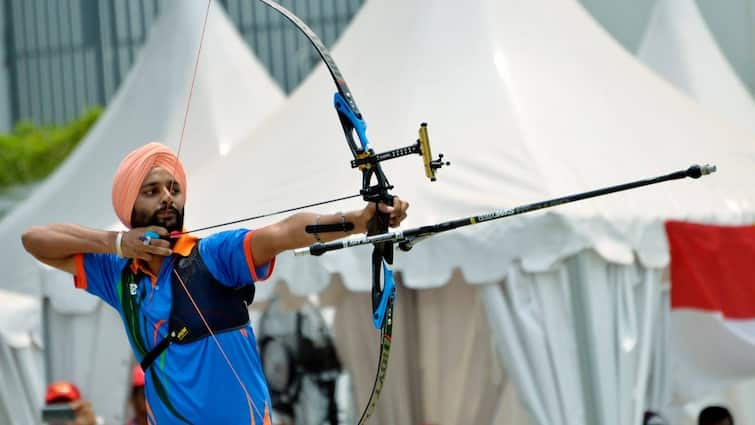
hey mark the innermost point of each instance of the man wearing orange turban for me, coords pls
(162, 282)
(128, 180)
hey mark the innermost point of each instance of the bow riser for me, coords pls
(376, 189)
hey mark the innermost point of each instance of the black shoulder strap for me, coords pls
(154, 353)
(224, 308)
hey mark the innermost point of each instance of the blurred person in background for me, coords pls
(653, 418)
(715, 415)
(63, 400)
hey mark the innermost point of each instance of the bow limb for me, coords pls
(352, 122)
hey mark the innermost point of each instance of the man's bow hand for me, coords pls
(396, 213)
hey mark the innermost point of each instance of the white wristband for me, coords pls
(118, 240)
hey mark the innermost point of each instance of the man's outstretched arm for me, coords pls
(57, 244)
(289, 233)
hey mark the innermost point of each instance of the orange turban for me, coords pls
(134, 168)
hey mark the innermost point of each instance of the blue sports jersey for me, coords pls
(190, 383)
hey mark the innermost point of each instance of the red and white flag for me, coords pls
(712, 305)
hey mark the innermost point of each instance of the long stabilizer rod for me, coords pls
(407, 238)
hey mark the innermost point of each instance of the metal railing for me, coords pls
(65, 56)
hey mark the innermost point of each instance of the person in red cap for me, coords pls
(183, 300)
(137, 400)
(63, 392)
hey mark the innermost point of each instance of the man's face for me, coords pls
(160, 202)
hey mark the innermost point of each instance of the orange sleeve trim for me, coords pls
(250, 259)
(80, 278)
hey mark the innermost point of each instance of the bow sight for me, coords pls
(365, 157)
(422, 148)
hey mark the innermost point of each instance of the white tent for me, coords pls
(679, 46)
(528, 100)
(299, 156)
(21, 372)
(232, 94)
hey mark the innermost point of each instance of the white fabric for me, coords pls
(91, 350)
(21, 368)
(442, 368)
(679, 46)
(20, 319)
(697, 335)
(712, 364)
(575, 339)
(660, 385)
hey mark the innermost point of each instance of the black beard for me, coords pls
(173, 224)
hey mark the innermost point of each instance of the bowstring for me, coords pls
(250, 403)
(256, 217)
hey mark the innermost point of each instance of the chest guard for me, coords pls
(224, 308)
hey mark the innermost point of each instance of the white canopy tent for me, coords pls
(298, 155)
(232, 94)
(679, 46)
(523, 97)
(528, 100)
(21, 369)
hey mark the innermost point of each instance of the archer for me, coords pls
(183, 300)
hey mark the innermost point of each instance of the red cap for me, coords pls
(61, 391)
(137, 377)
